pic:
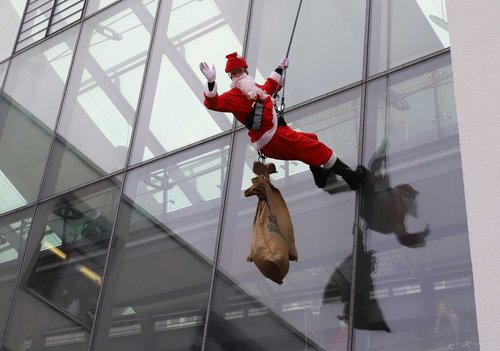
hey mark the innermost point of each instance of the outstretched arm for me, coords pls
(412, 239)
(274, 82)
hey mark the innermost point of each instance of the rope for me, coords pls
(281, 108)
(293, 30)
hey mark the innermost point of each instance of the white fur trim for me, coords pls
(331, 161)
(210, 94)
(267, 136)
(276, 77)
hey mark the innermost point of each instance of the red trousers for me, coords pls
(288, 144)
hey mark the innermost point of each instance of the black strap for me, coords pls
(254, 119)
(281, 121)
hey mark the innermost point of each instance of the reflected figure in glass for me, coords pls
(253, 105)
(384, 208)
(367, 312)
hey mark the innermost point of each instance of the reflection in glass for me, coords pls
(166, 238)
(61, 281)
(95, 5)
(327, 47)
(402, 31)
(42, 18)
(385, 207)
(367, 313)
(423, 277)
(99, 109)
(253, 311)
(14, 231)
(172, 112)
(28, 111)
(11, 12)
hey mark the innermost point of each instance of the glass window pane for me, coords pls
(413, 210)
(159, 278)
(402, 31)
(14, 231)
(172, 112)
(11, 12)
(62, 279)
(94, 5)
(28, 112)
(3, 70)
(301, 313)
(327, 47)
(99, 110)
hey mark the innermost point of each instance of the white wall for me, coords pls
(475, 50)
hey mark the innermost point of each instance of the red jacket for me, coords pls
(240, 106)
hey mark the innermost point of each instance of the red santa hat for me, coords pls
(235, 61)
(407, 189)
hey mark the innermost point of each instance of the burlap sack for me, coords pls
(276, 203)
(273, 241)
(268, 249)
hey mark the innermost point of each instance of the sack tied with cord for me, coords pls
(273, 243)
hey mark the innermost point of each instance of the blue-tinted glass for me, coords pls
(14, 231)
(99, 110)
(172, 111)
(28, 113)
(326, 52)
(61, 279)
(161, 268)
(252, 312)
(414, 272)
(95, 5)
(11, 12)
(402, 31)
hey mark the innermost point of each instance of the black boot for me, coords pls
(352, 178)
(320, 175)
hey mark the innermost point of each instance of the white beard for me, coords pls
(247, 85)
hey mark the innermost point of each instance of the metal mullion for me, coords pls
(38, 6)
(31, 36)
(22, 264)
(32, 18)
(51, 17)
(121, 195)
(62, 2)
(19, 30)
(62, 19)
(361, 144)
(2, 83)
(31, 28)
(67, 8)
(224, 200)
(59, 113)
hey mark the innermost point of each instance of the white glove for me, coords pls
(283, 63)
(208, 72)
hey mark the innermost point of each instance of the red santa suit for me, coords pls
(273, 140)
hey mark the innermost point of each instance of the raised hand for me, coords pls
(283, 63)
(208, 72)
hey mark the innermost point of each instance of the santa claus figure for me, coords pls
(272, 138)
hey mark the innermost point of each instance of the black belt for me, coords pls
(254, 119)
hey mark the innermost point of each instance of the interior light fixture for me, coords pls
(55, 250)
(89, 273)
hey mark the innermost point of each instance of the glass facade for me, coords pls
(123, 221)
